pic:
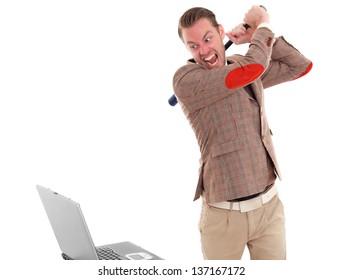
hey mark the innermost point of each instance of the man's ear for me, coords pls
(221, 31)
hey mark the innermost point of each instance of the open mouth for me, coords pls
(211, 60)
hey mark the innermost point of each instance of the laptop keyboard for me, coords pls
(106, 253)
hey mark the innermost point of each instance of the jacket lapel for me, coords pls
(257, 89)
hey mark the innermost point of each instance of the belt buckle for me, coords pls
(249, 205)
(268, 195)
(265, 198)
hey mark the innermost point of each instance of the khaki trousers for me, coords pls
(225, 233)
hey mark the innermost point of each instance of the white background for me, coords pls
(83, 110)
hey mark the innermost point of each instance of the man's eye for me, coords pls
(193, 47)
(208, 39)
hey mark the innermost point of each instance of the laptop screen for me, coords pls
(68, 224)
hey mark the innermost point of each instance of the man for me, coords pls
(223, 100)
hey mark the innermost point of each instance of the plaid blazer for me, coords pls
(225, 108)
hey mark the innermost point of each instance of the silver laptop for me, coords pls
(73, 236)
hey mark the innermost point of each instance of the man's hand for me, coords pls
(240, 35)
(254, 17)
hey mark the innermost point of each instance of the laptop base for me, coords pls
(127, 251)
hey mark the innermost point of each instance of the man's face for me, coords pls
(205, 44)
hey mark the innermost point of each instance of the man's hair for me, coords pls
(192, 15)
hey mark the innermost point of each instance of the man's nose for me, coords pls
(203, 50)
